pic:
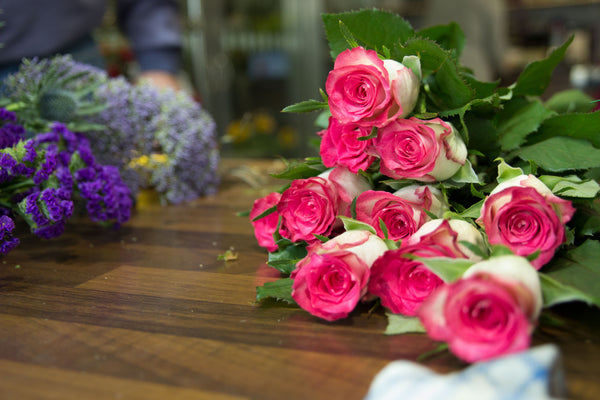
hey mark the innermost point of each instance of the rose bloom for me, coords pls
(403, 284)
(340, 146)
(265, 227)
(368, 91)
(491, 311)
(425, 151)
(332, 278)
(310, 206)
(523, 214)
(402, 211)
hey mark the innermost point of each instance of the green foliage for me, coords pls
(399, 324)
(536, 77)
(559, 154)
(280, 290)
(285, 260)
(373, 29)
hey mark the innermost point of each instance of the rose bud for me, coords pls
(425, 151)
(523, 214)
(489, 312)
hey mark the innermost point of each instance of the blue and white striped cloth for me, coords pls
(535, 374)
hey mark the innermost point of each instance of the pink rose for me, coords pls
(402, 283)
(265, 227)
(368, 91)
(340, 146)
(421, 150)
(332, 278)
(310, 206)
(523, 214)
(449, 234)
(401, 216)
(489, 312)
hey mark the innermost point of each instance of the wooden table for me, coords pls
(151, 312)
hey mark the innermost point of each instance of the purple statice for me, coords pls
(10, 132)
(7, 241)
(188, 139)
(107, 197)
(130, 119)
(48, 166)
(47, 212)
(10, 168)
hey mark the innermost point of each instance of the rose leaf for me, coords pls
(399, 324)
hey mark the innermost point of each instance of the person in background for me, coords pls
(43, 28)
(485, 25)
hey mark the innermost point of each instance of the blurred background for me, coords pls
(245, 60)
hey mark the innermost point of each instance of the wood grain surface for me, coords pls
(150, 311)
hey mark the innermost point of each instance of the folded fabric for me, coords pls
(529, 375)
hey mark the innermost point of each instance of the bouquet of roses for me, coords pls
(463, 207)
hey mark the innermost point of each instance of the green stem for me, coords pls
(23, 184)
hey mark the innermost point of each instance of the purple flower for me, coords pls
(107, 197)
(7, 241)
(11, 134)
(47, 211)
(48, 166)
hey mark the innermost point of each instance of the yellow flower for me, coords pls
(264, 123)
(237, 132)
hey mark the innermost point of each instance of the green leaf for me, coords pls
(279, 290)
(285, 260)
(355, 225)
(444, 84)
(570, 101)
(536, 77)
(450, 37)
(300, 169)
(474, 211)
(578, 126)
(466, 174)
(554, 292)
(577, 274)
(506, 172)
(306, 106)
(268, 211)
(562, 154)
(448, 269)
(350, 39)
(414, 63)
(571, 186)
(399, 324)
(519, 118)
(373, 28)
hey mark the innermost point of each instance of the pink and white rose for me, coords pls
(340, 145)
(426, 151)
(265, 227)
(524, 215)
(368, 91)
(450, 233)
(310, 206)
(401, 212)
(403, 283)
(491, 311)
(333, 277)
